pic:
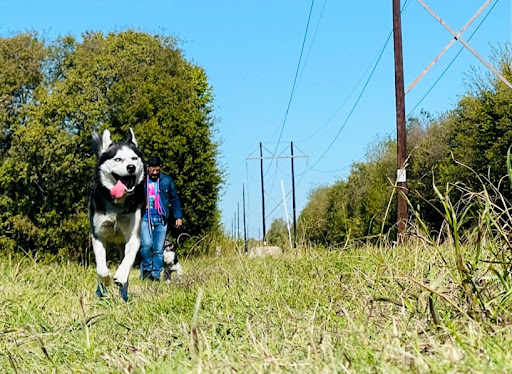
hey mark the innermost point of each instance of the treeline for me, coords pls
(466, 146)
(54, 95)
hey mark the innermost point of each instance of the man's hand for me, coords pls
(178, 222)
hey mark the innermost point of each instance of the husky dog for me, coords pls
(171, 263)
(116, 202)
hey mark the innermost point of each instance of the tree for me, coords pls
(482, 122)
(136, 80)
(121, 80)
(313, 218)
(21, 72)
(278, 234)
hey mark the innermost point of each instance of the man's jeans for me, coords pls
(153, 238)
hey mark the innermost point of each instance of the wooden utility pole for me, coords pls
(401, 136)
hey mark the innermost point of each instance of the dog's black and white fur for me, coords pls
(115, 220)
(171, 263)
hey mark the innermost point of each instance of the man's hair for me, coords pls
(154, 161)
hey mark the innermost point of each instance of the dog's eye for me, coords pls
(118, 159)
(135, 158)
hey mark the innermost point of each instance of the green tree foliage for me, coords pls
(121, 80)
(429, 150)
(369, 188)
(312, 223)
(354, 208)
(21, 72)
(278, 234)
(482, 123)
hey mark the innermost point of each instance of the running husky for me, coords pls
(116, 202)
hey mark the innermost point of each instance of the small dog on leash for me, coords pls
(171, 263)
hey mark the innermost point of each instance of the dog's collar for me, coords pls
(116, 202)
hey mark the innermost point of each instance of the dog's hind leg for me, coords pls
(101, 290)
(100, 254)
(178, 269)
(167, 274)
(123, 291)
(123, 288)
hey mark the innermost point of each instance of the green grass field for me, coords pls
(360, 310)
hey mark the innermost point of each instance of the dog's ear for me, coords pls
(131, 138)
(105, 141)
(101, 145)
(96, 143)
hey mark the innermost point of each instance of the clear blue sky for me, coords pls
(250, 51)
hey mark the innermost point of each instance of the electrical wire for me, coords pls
(294, 81)
(312, 41)
(353, 107)
(321, 128)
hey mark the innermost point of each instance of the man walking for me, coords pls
(160, 193)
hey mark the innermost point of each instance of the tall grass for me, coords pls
(475, 257)
(436, 304)
(362, 310)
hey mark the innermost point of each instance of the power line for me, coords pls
(294, 81)
(312, 40)
(352, 110)
(302, 71)
(356, 85)
(362, 92)
(349, 95)
(353, 107)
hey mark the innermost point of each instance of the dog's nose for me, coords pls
(131, 169)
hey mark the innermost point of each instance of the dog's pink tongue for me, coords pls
(118, 190)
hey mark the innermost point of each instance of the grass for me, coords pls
(362, 310)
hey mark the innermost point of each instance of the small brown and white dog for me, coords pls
(171, 263)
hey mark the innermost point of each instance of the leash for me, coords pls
(158, 206)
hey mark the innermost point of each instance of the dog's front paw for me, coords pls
(104, 276)
(121, 277)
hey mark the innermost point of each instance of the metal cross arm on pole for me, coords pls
(274, 156)
(450, 43)
(489, 66)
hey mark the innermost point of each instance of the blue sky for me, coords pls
(250, 51)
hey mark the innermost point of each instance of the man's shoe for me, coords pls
(146, 275)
